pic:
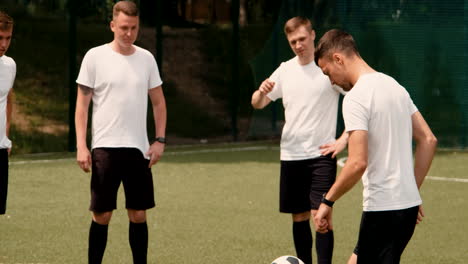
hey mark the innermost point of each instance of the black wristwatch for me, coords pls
(325, 201)
(160, 140)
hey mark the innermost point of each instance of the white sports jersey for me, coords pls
(120, 86)
(310, 108)
(380, 105)
(7, 78)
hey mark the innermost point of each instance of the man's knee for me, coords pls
(137, 216)
(352, 259)
(102, 218)
(301, 217)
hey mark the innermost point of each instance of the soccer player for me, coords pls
(381, 120)
(117, 77)
(308, 145)
(7, 78)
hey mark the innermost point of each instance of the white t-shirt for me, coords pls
(380, 105)
(310, 108)
(7, 77)
(120, 95)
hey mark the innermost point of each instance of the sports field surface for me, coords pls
(215, 204)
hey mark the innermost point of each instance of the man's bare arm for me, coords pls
(83, 100)
(160, 118)
(426, 144)
(9, 110)
(259, 98)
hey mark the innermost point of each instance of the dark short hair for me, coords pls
(335, 40)
(6, 22)
(127, 7)
(295, 22)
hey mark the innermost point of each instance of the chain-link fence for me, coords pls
(422, 44)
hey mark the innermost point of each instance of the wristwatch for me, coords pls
(160, 140)
(325, 201)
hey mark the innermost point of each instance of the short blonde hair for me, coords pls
(6, 22)
(127, 7)
(296, 22)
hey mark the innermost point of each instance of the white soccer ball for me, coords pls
(287, 260)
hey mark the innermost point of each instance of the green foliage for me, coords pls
(262, 11)
(42, 95)
(219, 57)
(39, 48)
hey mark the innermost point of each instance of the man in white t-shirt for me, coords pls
(118, 77)
(7, 78)
(381, 120)
(308, 145)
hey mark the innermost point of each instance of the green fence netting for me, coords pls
(422, 44)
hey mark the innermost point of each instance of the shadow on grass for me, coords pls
(35, 141)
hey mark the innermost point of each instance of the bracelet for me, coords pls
(327, 202)
(160, 140)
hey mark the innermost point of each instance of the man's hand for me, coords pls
(259, 98)
(9, 151)
(266, 86)
(335, 147)
(420, 215)
(323, 219)
(83, 157)
(155, 153)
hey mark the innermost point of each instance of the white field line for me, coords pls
(175, 153)
(169, 153)
(435, 178)
(27, 162)
(342, 161)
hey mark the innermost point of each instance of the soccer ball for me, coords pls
(287, 260)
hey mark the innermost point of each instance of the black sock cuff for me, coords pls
(302, 224)
(138, 227)
(138, 224)
(98, 226)
(329, 233)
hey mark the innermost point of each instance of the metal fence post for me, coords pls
(71, 74)
(235, 68)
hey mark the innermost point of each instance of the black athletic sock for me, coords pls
(138, 236)
(324, 245)
(97, 242)
(3, 180)
(303, 241)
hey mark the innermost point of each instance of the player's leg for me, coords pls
(105, 182)
(98, 236)
(323, 176)
(384, 235)
(302, 236)
(352, 259)
(377, 236)
(139, 194)
(324, 243)
(294, 199)
(407, 220)
(138, 235)
(3, 180)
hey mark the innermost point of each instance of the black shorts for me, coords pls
(384, 235)
(303, 182)
(3, 179)
(110, 167)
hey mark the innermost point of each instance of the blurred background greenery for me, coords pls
(422, 44)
